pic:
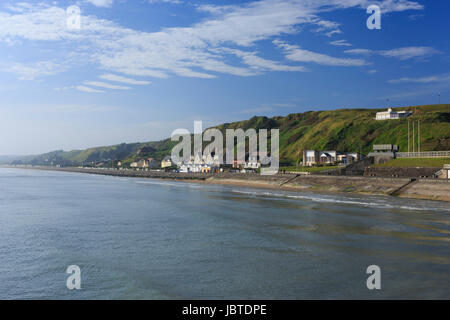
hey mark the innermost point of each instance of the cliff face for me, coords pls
(341, 130)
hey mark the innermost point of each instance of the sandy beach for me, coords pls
(430, 189)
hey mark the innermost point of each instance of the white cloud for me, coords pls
(165, 1)
(365, 52)
(404, 53)
(429, 79)
(409, 52)
(88, 89)
(295, 53)
(258, 63)
(116, 78)
(340, 43)
(191, 51)
(105, 85)
(327, 27)
(101, 3)
(35, 70)
(330, 33)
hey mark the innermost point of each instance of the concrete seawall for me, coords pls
(409, 172)
(432, 189)
(427, 189)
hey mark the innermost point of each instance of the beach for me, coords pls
(427, 189)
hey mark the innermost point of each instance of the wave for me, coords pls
(381, 204)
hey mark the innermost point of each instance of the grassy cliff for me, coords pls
(341, 130)
(353, 130)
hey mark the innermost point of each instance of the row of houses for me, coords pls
(212, 163)
(329, 157)
(149, 163)
(200, 163)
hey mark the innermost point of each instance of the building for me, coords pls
(200, 163)
(331, 157)
(166, 162)
(315, 157)
(327, 157)
(134, 164)
(252, 162)
(383, 152)
(444, 173)
(310, 157)
(152, 163)
(145, 163)
(350, 157)
(390, 115)
(140, 164)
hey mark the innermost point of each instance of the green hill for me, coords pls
(341, 130)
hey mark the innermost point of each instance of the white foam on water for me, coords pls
(167, 183)
(381, 204)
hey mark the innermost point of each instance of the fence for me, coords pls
(427, 154)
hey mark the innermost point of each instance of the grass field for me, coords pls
(416, 162)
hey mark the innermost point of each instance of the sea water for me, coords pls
(153, 239)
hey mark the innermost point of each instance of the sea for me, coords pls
(137, 238)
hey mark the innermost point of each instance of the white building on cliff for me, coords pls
(389, 114)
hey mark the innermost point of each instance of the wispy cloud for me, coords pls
(295, 53)
(165, 1)
(116, 78)
(35, 70)
(101, 3)
(409, 52)
(365, 52)
(105, 85)
(88, 89)
(195, 50)
(255, 62)
(340, 43)
(404, 53)
(429, 79)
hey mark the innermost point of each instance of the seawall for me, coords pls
(401, 172)
(432, 189)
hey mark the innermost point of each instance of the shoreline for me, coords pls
(425, 189)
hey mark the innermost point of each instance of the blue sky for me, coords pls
(136, 70)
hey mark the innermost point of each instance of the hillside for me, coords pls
(341, 130)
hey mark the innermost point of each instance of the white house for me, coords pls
(166, 162)
(200, 163)
(350, 157)
(252, 162)
(389, 114)
(315, 157)
(328, 157)
(145, 163)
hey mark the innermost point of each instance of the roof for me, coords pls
(389, 147)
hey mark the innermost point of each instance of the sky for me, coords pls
(135, 70)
